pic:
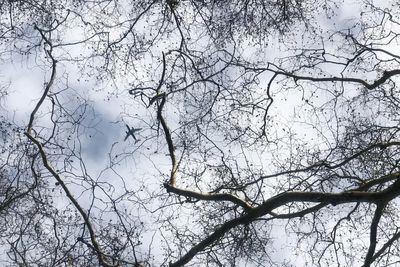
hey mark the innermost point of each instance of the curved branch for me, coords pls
(299, 213)
(96, 246)
(209, 196)
(263, 128)
(385, 76)
(386, 246)
(328, 165)
(167, 132)
(282, 199)
(168, 138)
(372, 239)
(279, 201)
(49, 84)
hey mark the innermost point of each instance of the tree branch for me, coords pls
(209, 196)
(385, 76)
(373, 234)
(279, 201)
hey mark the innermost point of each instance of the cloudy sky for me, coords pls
(104, 107)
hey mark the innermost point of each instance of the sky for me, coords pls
(144, 165)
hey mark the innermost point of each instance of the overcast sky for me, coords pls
(145, 162)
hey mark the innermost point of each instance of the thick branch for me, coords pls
(273, 203)
(167, 132)
(390, 242)
(209, 196)
(385, 76)
(299, 213)
(373, 234)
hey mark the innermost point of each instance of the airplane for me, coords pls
(131, 132)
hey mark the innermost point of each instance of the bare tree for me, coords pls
(255, 117)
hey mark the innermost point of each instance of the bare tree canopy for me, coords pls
(199, 133)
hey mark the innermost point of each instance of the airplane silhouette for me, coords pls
(131, 132)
